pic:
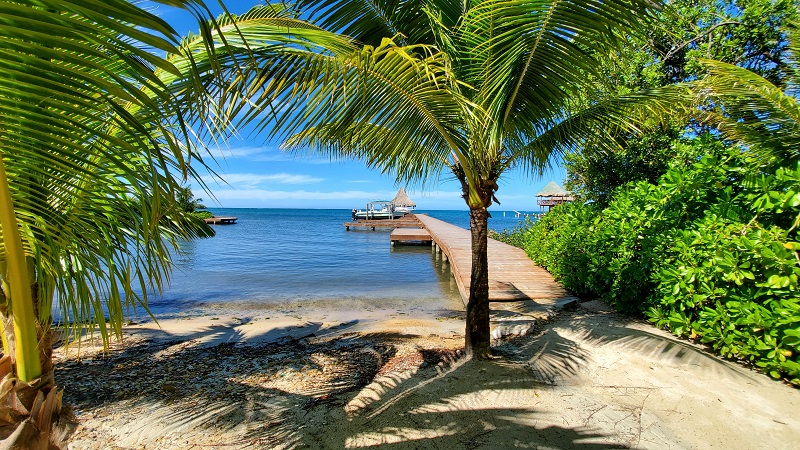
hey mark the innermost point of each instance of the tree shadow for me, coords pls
(334, 389)
(566, 346)
(530, 299)
(270, 395)
(445, 406)
(220, 387)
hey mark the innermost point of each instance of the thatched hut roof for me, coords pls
(401, 199)
(551, 189)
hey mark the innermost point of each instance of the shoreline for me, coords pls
(251, 324)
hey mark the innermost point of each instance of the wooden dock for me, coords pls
(407, 221)
(512, 275)
(410, 235)
(221, 220)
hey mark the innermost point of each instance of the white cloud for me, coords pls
(257, 197)
(252, 180)
(272, 157)
(269, 153)
(238, 152)
(264, 194)
(290, 178)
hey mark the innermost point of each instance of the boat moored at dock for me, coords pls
(379, 210)
(386, 209)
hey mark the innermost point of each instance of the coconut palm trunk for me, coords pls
(477, 340)
(27, 390)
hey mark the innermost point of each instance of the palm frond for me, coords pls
(528, 58)
(490, 78)
(308, 79)
(408, 158)
(369, 22)
(752, 110)
(95, 130)
(598, 126)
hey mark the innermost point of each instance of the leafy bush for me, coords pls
(710, 253)
(202, 214)
(731, 279)
(734, 286)
(557, 242)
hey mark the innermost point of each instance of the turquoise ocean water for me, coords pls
(274, 256)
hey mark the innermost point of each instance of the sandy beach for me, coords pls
(584, 377)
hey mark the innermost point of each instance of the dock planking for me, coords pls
(221, 220)
(410, 235)
(407, 221)
(512, 275)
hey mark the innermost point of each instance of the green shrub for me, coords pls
(202, 214)
(557, 242)
(709, 253)
(630, 236)
(731, 278)
(734, 286)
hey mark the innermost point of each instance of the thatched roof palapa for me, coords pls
(551, 189)
(553, 195)
(401, 199)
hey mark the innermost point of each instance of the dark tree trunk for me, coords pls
(477, 333)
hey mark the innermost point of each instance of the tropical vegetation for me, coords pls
(710, 253)
(105, 110)
(747, 33)
(191, 204)
(710, 250)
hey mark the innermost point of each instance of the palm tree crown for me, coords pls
(415, 87)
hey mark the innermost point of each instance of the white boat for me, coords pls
(379, 210)
(386, 209)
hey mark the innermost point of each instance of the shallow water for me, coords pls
(274, 256)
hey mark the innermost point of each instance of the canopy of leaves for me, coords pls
(594, 176)
(413, 87)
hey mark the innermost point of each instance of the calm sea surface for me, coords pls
(296, 255)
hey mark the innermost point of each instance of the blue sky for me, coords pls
(256, 174)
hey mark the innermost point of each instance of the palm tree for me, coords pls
(418, 87)
(97, 133)
(754, 111)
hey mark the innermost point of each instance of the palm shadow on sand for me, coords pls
(261, 397)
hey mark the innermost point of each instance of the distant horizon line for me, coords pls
(348, 209)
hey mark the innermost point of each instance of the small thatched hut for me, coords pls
(552, 194)
(401, 200)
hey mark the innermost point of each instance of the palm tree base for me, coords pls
(28, 411)
(483, 354)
